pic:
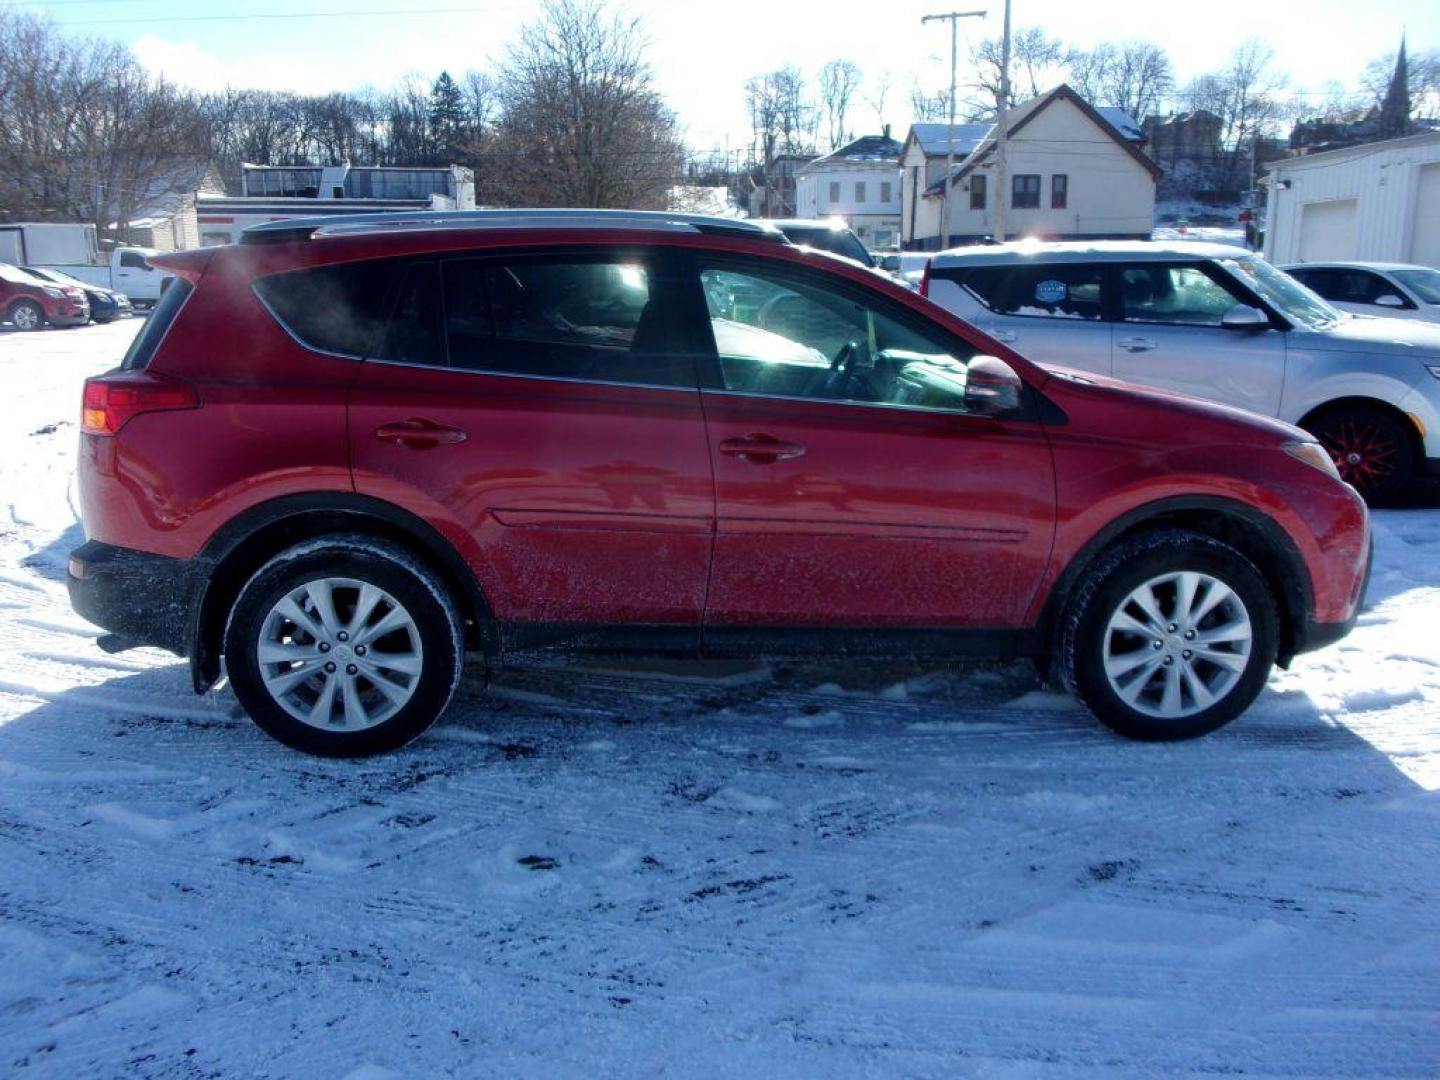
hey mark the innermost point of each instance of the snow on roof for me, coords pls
(934, 139)
(1082, 251)
(1122, 122)
(868, 149)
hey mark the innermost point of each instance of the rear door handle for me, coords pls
(418, 433)
(761, 449)
(1137, 344)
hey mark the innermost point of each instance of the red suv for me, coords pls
(29, 303)
(345, 452)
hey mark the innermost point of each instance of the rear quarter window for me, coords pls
(331, 309)
(143, 347)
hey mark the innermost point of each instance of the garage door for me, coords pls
(1425, 239)
(1327, 230)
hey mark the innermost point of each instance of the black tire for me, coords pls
(28, 312)
(1106, 585)
(1371, 446)
(387, 567)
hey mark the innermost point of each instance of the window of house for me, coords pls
(834, 191)
(977, 192)
(885, 191)
(797, 336)
(1059, 191)
(1025, 191)
(859, 191)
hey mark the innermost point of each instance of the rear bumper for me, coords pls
(142, 598)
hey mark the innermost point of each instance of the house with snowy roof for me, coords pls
(1074, 172)
(859, 182)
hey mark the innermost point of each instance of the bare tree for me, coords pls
(1423, 69)
(839, 80)
(1245, 95)
(582, 122)
(1037, 63)
(927, 108)
(877, 93)
(1133, 75)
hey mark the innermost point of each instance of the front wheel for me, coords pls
(26, 315)
(1371, 447)
(1171, 636)
(344, 647)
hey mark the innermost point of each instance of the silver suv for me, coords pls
(1216, 322)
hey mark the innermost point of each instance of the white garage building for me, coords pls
(1378, 202)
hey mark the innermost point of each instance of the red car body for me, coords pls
(660, 519)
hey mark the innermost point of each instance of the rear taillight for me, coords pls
(925, 281)
(111, 400)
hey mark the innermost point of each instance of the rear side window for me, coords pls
(333, 309)
(600, 320)
(1066, 291)
(414, 335)
(142, 349)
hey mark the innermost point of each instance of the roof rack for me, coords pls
(308, 228)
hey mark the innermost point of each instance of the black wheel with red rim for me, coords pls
(1371, 448)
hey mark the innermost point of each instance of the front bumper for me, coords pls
(1317, 635)
(141, 598)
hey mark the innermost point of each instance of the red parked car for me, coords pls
(30, 304)
(345, 452)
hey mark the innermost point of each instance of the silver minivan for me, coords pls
(1217, 322)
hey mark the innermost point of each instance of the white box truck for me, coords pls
(71, 248)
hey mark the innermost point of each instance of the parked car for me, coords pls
(105, 305)
(1217, 322)
(499, 430)
(126, 270)
(824, 234)
(911, 270)
(1388, 290)
(32, 304)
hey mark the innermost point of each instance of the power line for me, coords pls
(472, 9)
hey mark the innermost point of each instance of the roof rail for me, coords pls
(307, 228)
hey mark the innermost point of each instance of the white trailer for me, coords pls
(36, 243)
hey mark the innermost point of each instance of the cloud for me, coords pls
(188, 64)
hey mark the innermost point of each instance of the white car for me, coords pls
(1389, 290)
(1216, 322)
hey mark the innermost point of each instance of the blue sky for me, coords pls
(702, 52)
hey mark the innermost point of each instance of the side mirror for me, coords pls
(1389, 300)
(991, 387)
(1245, 317)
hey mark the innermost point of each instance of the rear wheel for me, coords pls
(26, 315)
(1172, 635)
(344, 647)
(1371, 447)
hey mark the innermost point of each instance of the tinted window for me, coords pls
(413, 335)
(336, 309)
(148, 340)
(837, 241)
(604, 320)
(788, 335)
(1064, 291)
(1322, 281)
(1173, 294)
(133, 260)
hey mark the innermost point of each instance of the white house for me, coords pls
(1074, 173)
(860, 182)
(1379, 202)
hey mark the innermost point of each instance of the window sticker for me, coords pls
(1050, 291)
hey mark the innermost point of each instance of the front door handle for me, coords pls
(761, 449)
(418, 433)
(1137, 344)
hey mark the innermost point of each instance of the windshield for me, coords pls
(837, 241)
(1423, 282)
(55, 276)
(1283, 293)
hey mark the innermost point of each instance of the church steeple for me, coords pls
(1395, 109)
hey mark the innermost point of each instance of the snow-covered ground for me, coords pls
(791, 872)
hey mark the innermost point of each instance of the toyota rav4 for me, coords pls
(345, 452)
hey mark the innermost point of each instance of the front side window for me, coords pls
(133, 260)
(1025, 191)
(1059, 191)
(783, 334)
(1185, 295)
(977, 192)
(598, 320)
(1057, 291)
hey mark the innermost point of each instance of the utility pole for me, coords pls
(1002, 194)
(953, 17)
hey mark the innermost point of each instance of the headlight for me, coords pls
(56, 293)
(1434, 369)
(1313, 454)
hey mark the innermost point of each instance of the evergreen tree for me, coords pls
(447, 119)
